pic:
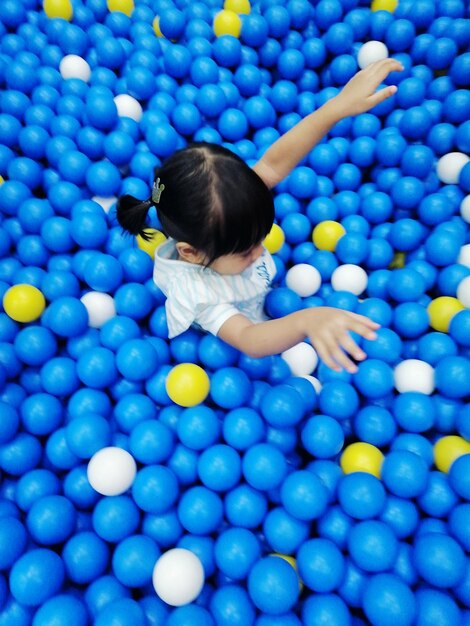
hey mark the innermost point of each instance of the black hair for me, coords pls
(212, 200)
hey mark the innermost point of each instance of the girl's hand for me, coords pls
(359, 94)
(329, 331)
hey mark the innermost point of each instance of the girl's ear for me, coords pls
(190, 253)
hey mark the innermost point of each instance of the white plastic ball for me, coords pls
(127, 106)
(111, 471)
(463, 292)
(414, 375)
(465, 209)
(464, 255)
(100, 306)
(178, 577)
(73, 66)
(316, 384)
(301, 359)
(105, 203)
(449, 166)
(371, 52)
(349, 277)
(304, 279)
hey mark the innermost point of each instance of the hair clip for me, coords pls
(157, 191)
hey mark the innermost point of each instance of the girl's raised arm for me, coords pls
(357, 96)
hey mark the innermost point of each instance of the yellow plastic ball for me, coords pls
(23, 303)
(58, 8)
(187, 384)
(156, 26)
(123, 6)
(238, 6)
(384, 5)
(2, 180)
(441, 310)
(326, 235)
(227, 23)
(150, 246)
(274, 240)
(398, 261)
(448, 449)
(362, 457)
(292, 562)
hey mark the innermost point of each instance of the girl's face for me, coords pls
(238, 262)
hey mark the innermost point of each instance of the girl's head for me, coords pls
(212, 201)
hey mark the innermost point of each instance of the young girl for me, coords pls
(216, 212)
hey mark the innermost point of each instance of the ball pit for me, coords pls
(176, 482)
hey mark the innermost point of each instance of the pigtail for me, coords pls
(132, 213)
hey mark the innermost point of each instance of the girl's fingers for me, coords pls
(348, 344)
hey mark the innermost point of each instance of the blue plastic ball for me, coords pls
(439, 559)
(230, 387)
(328, 606)
(219, 467)
(264, 466)
(282, 406)
(361, 495)
(303, 495)
(200, 510)
(36, 576)
(236, 550)
(322, 436)
(321, 565)
(452, 376)
(231, 604)
(388, 599)
(133, 560)
(62, 609)
(273, 585)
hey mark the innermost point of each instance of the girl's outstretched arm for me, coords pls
(327, 328)
(357, 96)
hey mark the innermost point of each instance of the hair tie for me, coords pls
(157, 191)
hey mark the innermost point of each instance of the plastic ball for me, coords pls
(442, 310)
(322, 436)
(200, 510)
(349, 277)
(123, 6)
(414, 411)
(236, 550)
(187, 384)
(301, 358)
(111, 471)
(227, 22)
(439, 559)
(264, 466)
(387, 599)
(404, 473)
(303, 495)
(362, 457)
(58, 8)
(321, 565)
(23, 303)
(448, 449)
(239, 6)
(304, 279)
(371, 52)
(458, 478)
(273, 585)
(450, 165)
(74, 66)
(414, 375)
(373, 546)
(326, 234)
(36, 576)
(62, 608)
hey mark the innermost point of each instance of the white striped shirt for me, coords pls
(197, 295)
